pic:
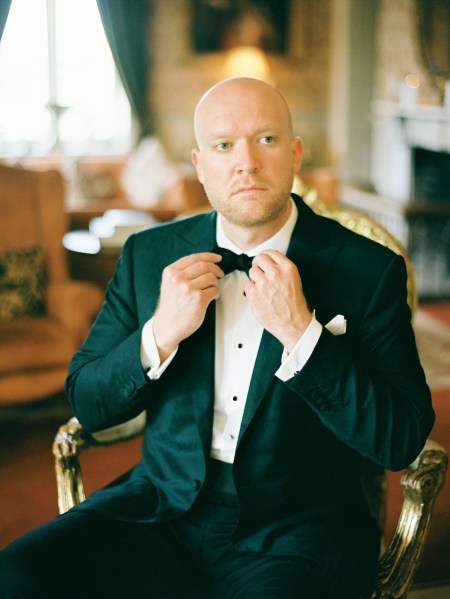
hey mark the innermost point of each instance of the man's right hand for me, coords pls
(187, 287)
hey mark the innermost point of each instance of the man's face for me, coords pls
(247, 155)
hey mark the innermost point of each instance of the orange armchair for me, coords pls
(44, 316)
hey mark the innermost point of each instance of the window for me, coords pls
(59, 89)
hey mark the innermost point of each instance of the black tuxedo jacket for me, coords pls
(298, 459)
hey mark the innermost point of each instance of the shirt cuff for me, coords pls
(149, 353)
(292, 363)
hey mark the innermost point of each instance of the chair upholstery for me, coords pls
(36, 349)
(422, 481)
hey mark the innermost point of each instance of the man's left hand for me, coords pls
(275, 294)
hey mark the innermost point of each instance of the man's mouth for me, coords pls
(248, 189)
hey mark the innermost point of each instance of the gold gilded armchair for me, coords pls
(422, 481)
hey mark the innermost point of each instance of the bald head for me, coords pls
(246, 157)
(238, 91)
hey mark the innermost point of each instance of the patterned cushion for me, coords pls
(22, 283)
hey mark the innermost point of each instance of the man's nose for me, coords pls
(247, 161)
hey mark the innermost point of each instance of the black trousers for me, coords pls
(84, 555)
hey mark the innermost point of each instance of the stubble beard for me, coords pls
(241, 211)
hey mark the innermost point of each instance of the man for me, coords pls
(263, 391)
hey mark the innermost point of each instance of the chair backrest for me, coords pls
(33, 214)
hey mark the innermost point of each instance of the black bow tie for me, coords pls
(231, 261)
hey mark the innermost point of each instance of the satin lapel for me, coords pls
(267, 362)
(200, 358)
(200, 236)
(314, 252)
(200, 346)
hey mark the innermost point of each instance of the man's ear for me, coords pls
(297, 149)
(195, 156)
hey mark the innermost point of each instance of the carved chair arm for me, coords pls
(422, 482)
(71, 439)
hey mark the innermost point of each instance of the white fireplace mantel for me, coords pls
(397, 131)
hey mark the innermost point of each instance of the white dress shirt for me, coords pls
(238, 335)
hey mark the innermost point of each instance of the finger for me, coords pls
(263, 264)
(187, 261)
(190, 267)
(271, 257)
(255, 274)
(198, 269)
(248, 287)
(204, 281)
(275, 256)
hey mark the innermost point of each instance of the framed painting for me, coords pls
(219, 25)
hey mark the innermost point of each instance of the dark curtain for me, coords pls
(126, 25)
(4, 10)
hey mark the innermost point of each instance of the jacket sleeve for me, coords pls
(106, 382)
(371, 391)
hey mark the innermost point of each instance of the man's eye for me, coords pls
(223, 145)
(267, 139)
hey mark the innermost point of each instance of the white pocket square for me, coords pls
(337, 325)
